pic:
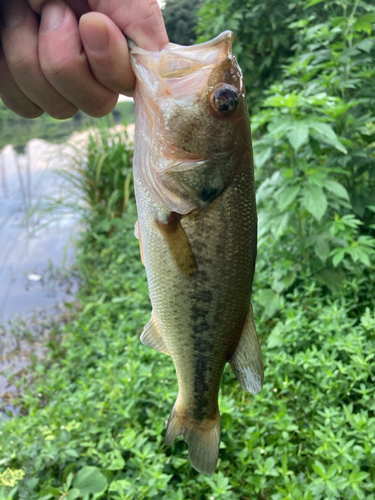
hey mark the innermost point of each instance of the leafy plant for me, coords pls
(314, 152)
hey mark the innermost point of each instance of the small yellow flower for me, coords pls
(10, 477)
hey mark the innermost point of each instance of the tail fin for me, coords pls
(203, 438)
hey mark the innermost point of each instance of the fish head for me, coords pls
(191, 105)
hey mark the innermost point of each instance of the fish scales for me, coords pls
(197, 223)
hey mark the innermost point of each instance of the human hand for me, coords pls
(50, 61)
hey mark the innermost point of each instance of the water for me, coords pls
(35, 281)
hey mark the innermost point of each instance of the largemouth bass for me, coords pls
(194, 185)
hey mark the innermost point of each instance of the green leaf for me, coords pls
(298, 135)
(338, 255)
(327, 135)
(364, 23)
(270, 300)
(73, 494)
(287, 196)
(315, 201)
(90, 480)
(117, 463)
(313, 2)
(366, 45)
(336, 188)
(322, 249)
(319, 469)
(261, 155)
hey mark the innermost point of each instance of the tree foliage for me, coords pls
(181, 20)
(314, 150)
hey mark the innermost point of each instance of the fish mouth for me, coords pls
(226, 36)
(177, 61)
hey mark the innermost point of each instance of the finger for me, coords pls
(20, 46)
(12, 96)
(64, 62)
(79, 7)
(140, 20)
(107, 52)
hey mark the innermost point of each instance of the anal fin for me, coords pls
(152, 337)
(247, 360)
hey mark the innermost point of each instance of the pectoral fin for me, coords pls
(178, 243)
(247, 361)
(152, 337)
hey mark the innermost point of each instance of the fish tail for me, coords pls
(202, 436)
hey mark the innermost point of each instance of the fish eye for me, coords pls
(224, 99)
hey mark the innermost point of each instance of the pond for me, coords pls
(37, 285)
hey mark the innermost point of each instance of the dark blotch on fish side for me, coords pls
(201, 385)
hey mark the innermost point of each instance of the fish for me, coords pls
(197, 228)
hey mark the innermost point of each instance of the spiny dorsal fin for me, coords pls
(247, 361)
(178, 244)
(152, 337)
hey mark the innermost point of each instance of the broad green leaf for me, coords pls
(276, 338)
(366, 45)
(261, 155)
(279, 224)
(336, 188)
(315, 201)
(298, 135)
(364, 23)
(357, 253)
(287, 196)
(338, 255)
(279, 126)
(327, 135)
(117, 463)
(270, 300)
(90, 480)
(322, 249)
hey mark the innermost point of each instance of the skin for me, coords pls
(60, 56)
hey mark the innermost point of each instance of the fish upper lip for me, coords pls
(225, 36)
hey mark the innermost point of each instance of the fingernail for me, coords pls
(94, 34)
(13, 13)
(52, 15)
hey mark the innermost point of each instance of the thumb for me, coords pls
(140, 20)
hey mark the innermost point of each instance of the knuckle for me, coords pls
(100, 107)
(22, 65)
(57, 68)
